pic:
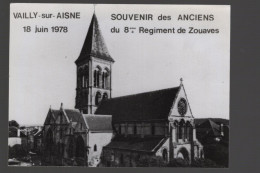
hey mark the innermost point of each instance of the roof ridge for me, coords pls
(148, 92)
(96, 115)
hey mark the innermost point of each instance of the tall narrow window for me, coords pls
(103, 80)
(83, 81)
(165, 155)
(98, 78)
(95, 78)
(95, 147)
(98, 98)
(106, 79)
(185, 131)
(180, 131)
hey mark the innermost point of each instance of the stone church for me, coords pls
(117, 131)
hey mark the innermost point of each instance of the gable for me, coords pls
(61, 118)
(181, 95)
(51, 117)
(81, 124)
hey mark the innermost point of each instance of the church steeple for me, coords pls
(94, 44)
(94, 68)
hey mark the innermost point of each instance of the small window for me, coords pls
(98, 98)
(165, 155)
(83, 81)
(105, 96)
(95, 147)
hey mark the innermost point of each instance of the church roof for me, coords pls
(70, 114)
(94, 44)
(151, 144)
(155, 105)
(98, 123)
(208, 127)
(73, 114)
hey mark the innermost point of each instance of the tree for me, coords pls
(17, 151)
(218, 152)
(179, 162)
(13, 123)
(151, 161)
(204, 163)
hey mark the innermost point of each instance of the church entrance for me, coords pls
(183, 154)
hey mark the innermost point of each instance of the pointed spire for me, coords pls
(94, 44)
(94, 8)
(50, 107)
(61, 105)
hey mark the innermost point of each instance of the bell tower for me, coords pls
(94, 69)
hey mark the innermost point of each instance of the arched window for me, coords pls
(97, 76)
(106, 79)
(180, 130)
(98, 98)
(185, 131)
(83, 81)
(165, 155)
(188, 131)
(95, 147)
(103, 80)
(105, 96)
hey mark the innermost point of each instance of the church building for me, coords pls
(117, 131)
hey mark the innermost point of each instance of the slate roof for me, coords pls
(55, 113)
(94, 44)
(218, 121)
(151, 144)
(208, 127)
(38, 134)
(73, 114)
(99, 123)
(147, 106)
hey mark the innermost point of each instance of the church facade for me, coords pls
(117, 131)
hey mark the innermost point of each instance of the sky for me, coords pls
(43, 73)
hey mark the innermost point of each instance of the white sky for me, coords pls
(43, 72)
